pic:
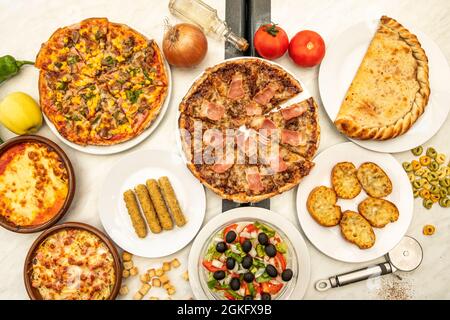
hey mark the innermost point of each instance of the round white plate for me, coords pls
(116, 148)
(251, 213)
(133, 169)
(329, 240)
(341, 62)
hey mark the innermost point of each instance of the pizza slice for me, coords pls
(109, 125)
(141, 105)
(74, 49)
(122, 43)
(273, 86)
(296, 127)
(207, 104)
(57, 56)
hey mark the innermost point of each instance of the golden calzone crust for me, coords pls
(391, 88)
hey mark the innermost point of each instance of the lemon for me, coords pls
(20, 113)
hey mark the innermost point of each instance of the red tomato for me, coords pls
(271, 288)
(208, 265)
(307, 48)
(270, 41)
(229, 228)
(228, 296)
(280, 262)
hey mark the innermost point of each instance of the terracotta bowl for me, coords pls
(71, 192)
(33, 293)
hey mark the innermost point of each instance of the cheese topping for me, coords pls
(73, 264)
(33, 184)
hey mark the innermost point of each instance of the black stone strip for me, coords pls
(244, 18)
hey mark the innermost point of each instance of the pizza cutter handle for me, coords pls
(354, 276)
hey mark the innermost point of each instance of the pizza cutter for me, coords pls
(406, 256)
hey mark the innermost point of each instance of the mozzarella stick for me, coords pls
(148, 208)
(160, 206)
(133, 210)
(172, 201)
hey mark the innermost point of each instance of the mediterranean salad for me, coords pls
(247, 261)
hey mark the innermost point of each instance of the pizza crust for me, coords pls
(352, 117)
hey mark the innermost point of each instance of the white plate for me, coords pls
(341, 62)
(329, 240)
(116, 148)
(251, 213)
(133, 169)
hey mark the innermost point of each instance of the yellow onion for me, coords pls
(184, 45)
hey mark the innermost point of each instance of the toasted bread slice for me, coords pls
(322, 206)
(374, 180)
(344, 180)
(357, 230)
(378, 212)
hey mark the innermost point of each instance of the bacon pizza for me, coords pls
(237, 138)
(101, 83)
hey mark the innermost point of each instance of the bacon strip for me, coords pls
(213, 137)
(252, 109)
(293, 138)
(254, 179)
(277, 164)
(236, 90)
(221, 167)
(265, 95)
(212, 111)
(293, 111)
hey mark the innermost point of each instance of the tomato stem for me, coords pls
(272, 29)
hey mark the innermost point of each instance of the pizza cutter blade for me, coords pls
(406, 256)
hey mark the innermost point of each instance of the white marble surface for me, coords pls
(31, 22)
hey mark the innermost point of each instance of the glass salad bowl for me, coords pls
(264, 286)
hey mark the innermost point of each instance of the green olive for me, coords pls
(444, 202)
(432, 176)
(434, 182)
(431, 152)
(417, 151)
(416, 193)
(433, 166)
(416, 184)
(435, 189)
(427, 203)
(407, 166)
(444, 183)
(443, 193)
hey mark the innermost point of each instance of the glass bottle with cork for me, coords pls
(199, 13)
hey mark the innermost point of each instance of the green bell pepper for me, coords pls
(9, 67)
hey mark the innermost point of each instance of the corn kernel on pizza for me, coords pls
(101, 83)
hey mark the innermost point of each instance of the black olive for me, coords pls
(271, 271)
(235, 284)
(221, 247)
(265, 296)
(249, 277)
(230, 263)
(263, 238)
(230, 236)
(287, 274)
(247, 246)
(219, 275)
(248, 297)
(247, 262)
(271, 251)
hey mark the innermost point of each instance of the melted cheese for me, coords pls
(33, 184)
(73, 264)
